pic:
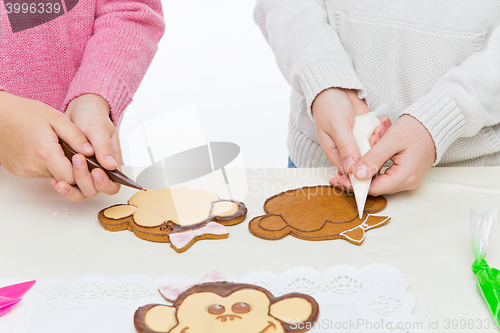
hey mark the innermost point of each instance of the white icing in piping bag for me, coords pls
(364, 126)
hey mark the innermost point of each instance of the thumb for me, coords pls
(66, 130)
(374, 159)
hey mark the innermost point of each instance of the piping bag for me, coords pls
(488, 279)
(11, 295)
(364, 126)
(115, 175)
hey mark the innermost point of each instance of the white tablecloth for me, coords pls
(372, 299)
(428, 239)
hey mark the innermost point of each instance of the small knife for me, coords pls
(115, 175)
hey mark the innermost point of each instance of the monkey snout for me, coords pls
(230, 317)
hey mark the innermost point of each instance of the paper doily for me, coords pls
(369, 299)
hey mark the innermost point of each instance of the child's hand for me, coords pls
(409, 145)
(29, 139)
(334, 110)
(90, 113)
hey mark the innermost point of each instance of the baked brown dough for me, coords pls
(225, 307)
(317, 213)
(177, 215)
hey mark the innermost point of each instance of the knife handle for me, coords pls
(115, 175)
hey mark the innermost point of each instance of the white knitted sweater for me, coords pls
(437, 60)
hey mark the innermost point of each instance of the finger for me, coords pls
(334, 179)
(66, 130)
(380, 130)
(375, 158)
(101, 141)
(59, 166)
(53, 181)
(341, 181)
(386, 122)
(103, 183)
(82, 175)
(373, 140)
(117, 151)
(71, 193)
(392, 181)
(377, 135)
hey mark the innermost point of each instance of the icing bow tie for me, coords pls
(172, 291)
(11, 295)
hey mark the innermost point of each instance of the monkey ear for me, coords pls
(117, 212)
(224, 208)
(269, 227)
(117, 218)
(155, 318)
(295, 308)
(375, 204)
(228, 212)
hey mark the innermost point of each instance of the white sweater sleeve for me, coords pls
(307, 48)
(464, 100)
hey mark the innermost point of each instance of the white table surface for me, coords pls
(428, 239)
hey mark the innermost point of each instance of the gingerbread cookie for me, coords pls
(317, 213)
(177, 215)
(225, 307)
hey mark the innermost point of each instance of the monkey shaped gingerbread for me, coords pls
(317, 213)
(225, 307)
(177, 215)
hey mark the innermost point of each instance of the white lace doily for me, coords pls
(369, 299)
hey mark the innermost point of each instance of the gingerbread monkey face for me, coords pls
(177, 215)
(317, 213)
(182, 206)
(247, 308)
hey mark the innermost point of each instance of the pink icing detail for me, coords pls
(213, 276)
(171, 292)
(181, 239)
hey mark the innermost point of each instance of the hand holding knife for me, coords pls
(114, 175)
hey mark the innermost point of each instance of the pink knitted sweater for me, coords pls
(55, 50)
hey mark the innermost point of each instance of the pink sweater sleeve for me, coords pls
(124, 41)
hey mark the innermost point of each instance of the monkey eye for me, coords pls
(216, 309)
(241, 307)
